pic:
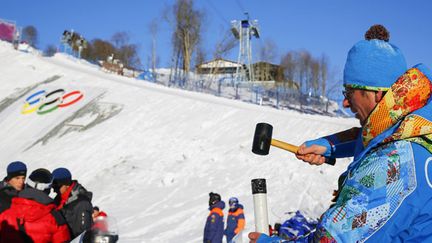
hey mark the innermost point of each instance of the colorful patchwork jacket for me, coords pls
(386, 194)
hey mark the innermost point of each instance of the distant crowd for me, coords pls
(29, 214)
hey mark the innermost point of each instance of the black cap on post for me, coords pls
(259, 186)
(262, 139)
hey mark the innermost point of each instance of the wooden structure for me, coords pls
(218, 66)
(112, 65)
(265, 71)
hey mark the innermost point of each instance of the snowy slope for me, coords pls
(151, 154)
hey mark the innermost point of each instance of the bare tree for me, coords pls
(200, 56)
(120, 39)
(186, 22)
(315, 76)
(268, 51)
(126, 52)
(30, 35)
(129, 55)
(310, 73)
(332, 91)
(225, 45)
(289, 66)
(324, 73)
(304, 70)
(101, 49)
(87, 52)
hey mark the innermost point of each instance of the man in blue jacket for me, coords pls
(214, 227)
(235, 220)
(386, 193)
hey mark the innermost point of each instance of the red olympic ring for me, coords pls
(76, 92)
(52, 104)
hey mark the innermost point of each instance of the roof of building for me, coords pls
(219, 63)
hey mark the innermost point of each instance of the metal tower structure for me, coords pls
(244, 30)
(72, 41)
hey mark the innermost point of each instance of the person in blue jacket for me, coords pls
(385, 195)
(214, 227)
(235, 220)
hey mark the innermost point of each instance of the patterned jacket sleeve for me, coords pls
(373, 191)
(343, 143)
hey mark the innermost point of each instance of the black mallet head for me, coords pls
(262, 139)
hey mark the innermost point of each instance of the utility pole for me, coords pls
(243, 30)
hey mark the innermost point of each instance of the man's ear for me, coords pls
(379, 95)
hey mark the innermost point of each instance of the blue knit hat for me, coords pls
(373, 65)
(62, 176)
(16, 168)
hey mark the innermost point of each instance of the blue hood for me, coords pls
(234, 209)
(220, 204)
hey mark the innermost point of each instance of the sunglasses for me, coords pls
(347, 93)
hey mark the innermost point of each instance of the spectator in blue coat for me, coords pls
(214, 227)
(385, 194)
(235, 220)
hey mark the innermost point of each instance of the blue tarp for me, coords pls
(146, 75)
(296, 227)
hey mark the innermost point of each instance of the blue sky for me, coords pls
(321, 27)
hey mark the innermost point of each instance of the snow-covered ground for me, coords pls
(151, 154)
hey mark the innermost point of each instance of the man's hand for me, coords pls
(312, 154)
(253, 236)
(256, 237)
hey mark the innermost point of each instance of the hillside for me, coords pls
(151, 154)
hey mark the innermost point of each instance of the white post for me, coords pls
(79, 51)
(259, 192)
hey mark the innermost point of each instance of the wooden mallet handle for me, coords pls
(285, 146)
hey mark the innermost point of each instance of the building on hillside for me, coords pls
(218, 66)
(265, 71)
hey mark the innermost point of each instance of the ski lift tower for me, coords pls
(243, 30)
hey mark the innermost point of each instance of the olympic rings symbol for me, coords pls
(44, 103)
